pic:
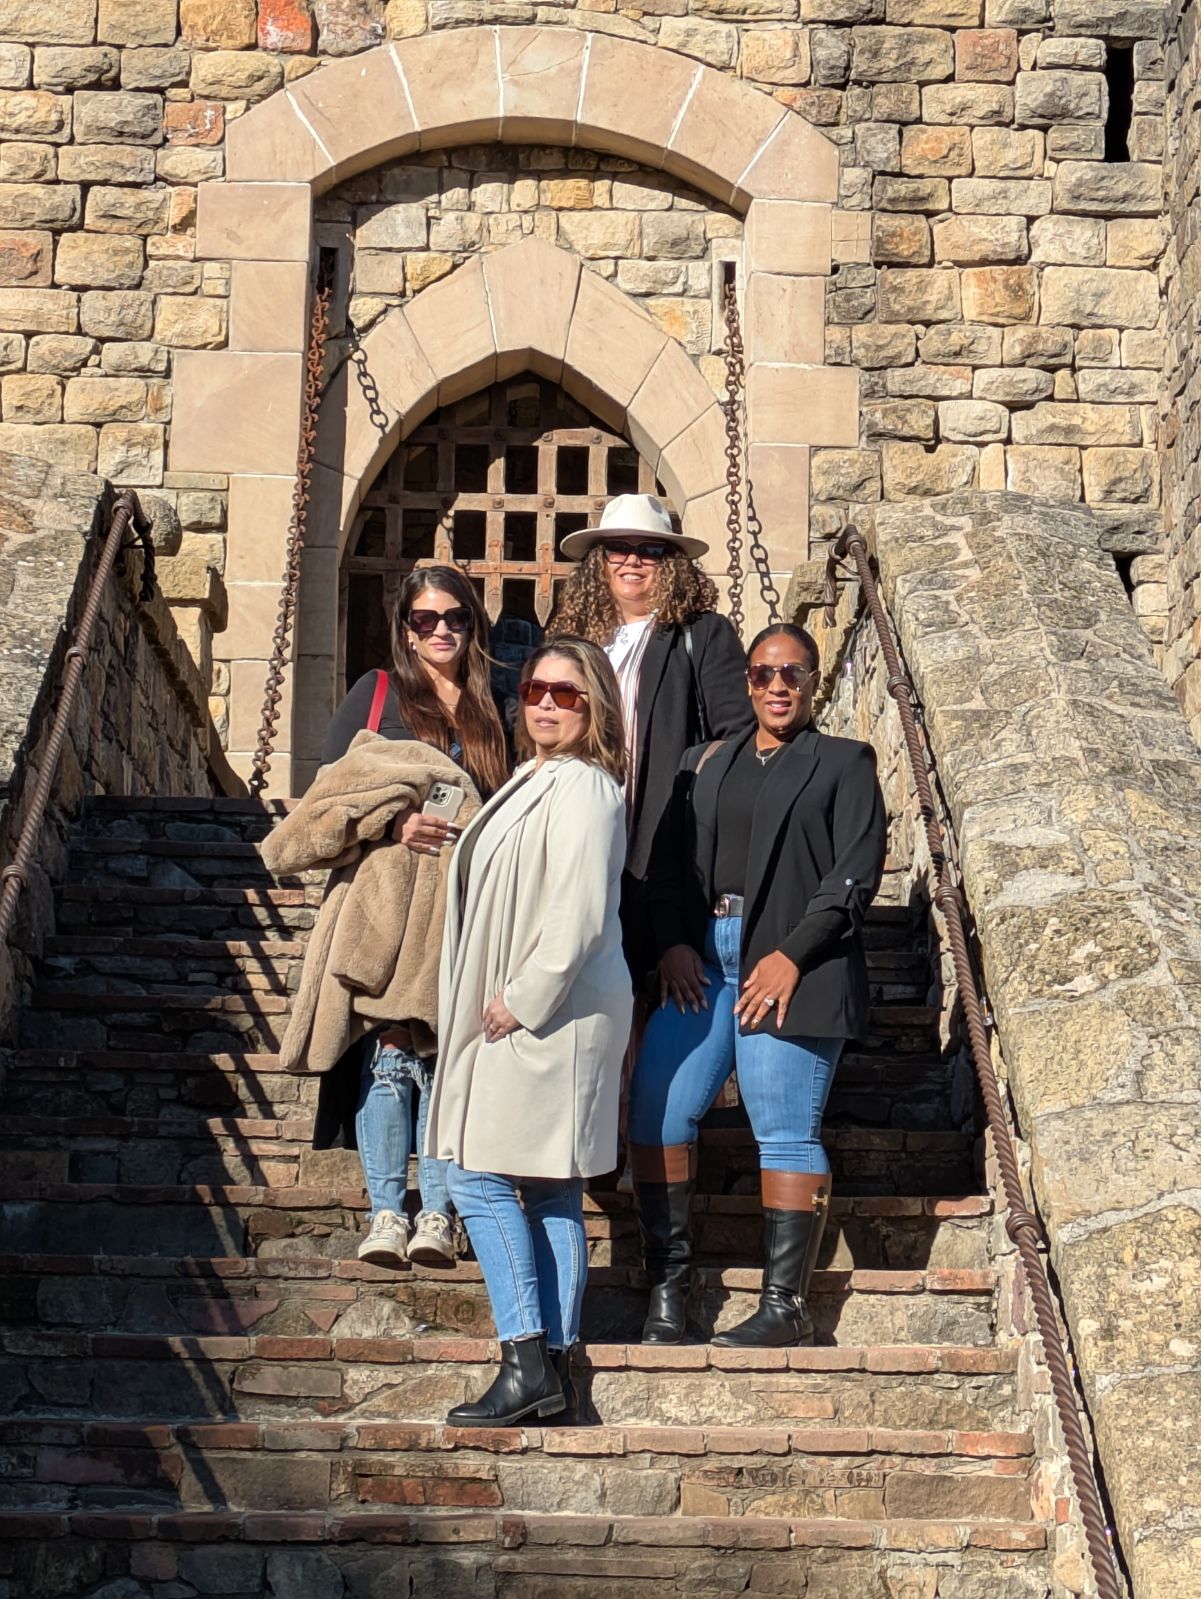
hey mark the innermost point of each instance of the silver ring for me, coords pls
(769, 1001)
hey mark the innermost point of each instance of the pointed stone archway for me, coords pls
(237, 410)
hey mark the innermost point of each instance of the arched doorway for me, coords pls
(492, 483)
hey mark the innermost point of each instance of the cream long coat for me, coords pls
(532, 914)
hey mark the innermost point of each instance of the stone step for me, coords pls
(937, 1305)
(432, 1554)
(841, 1473)
(224, 913)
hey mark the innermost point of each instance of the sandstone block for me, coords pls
(391, 227)
(1118, 385)
(986, 55)
(918, 296)
(232, 75)
(967, 239)
(1099, 297)
(35, 114)
(344, 27)
(12, 352)
(898, 419)
(253, 221)
(406, 19)
(1075, 141)
(105, 163)
(61, 68)
(845, 475)
(134, 359)
(911, 471)
(64, 353)
(713, 42)
(1134, 241)
(59, 443)
(379, 272)
(38, 311)
(1002, 196)
(1046, 346)
(934, 13)
(1053, 471)
(943, 152)
(673, 234)
(911, 194)
(1121, 476)
(773, 55)
(188, 323)
(268, 302)
(599, 234)
(26, 398)
(1046, 97)
(973, 422)
(1098, 188)
(931, 382)
(219, 24)
(16, 66)
(104, 399)
(127, 210)
(1142, 348)
(784, 318)
(842, 10)
(123, 117)
(1000, 295)
(137, 22)
(1012, 385)
(901, 55)
(1007, 152)
(154, 67)
(121, 315)
(1067, 241)
(190, 166)
(131, 452)
(48, 21)
(961, 345)
(194, 122)
(652, 277)
(1083, 55)
(101, 261)
(27, 163)
(904, 240)
(972, 104)
(880, 344)
(1055, 423)
(25, 257)
(689, 322)
(287, 26)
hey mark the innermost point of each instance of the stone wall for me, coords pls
(141, 723)
(1075, 793)
(1180, 408)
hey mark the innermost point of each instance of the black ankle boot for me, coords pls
(782, 1320)
(527, 1384)
(576, 1412)
(665, 1220)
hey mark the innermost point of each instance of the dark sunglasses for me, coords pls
(618, 551)
(565, 695)
(794, 673)
(425, 623)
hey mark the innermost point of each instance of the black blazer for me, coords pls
(668, 719)
(818, 841)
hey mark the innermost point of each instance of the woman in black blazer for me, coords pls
(761, 875)
(640, 594)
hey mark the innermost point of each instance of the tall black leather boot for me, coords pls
(664, 1183)
(527, 1384)
(577, 1411)
(795, 1206)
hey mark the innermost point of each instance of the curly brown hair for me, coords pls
(588, 610)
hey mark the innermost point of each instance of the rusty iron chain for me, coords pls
(738, 475)
(366, 382)
(1021, 1224)
(297, 527)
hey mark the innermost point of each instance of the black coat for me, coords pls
(818, 841)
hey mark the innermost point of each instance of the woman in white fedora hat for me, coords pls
(639, 593)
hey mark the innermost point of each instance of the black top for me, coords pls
(735, 807)
(817, 842)
(351, 718)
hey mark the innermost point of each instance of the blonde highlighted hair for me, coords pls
(603, 741)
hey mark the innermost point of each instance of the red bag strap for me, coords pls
(377, 701)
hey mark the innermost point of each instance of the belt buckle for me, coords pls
(722, 908)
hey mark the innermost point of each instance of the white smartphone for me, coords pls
(444, 801)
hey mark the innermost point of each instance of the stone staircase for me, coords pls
(205, 1392)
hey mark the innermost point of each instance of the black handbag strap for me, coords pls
(702, 719)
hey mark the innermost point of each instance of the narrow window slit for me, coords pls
(1119, 78)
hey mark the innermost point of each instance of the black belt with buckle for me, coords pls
(728, 905)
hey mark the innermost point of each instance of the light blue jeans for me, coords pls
(384, 1129)
(684, 1060)
(532, 1251)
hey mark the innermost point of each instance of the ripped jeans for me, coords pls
(384, 1129)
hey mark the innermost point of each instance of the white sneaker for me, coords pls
(433, 1239)
(387, 1242)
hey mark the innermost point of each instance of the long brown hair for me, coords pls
(476, 723)
(587, 609)
(603, 741)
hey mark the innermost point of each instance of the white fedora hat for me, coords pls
(639, 514)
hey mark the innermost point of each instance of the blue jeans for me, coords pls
(684, 1060)
(384, 1129)
(532, 1252)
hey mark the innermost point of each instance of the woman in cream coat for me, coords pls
(534, 1004)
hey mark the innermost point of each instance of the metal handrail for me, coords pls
(126, 512)
(1021, 1225)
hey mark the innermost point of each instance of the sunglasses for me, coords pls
(566, 696)
(425, 623)
(794, 673)
(617, 551)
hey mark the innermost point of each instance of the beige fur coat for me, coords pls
(373, 955)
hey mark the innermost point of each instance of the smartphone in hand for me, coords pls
(444, 801)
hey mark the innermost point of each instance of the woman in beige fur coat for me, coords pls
(534, 1009)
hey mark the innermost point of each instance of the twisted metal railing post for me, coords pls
(1021, 1225)
(297, 527)
(14, 878)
